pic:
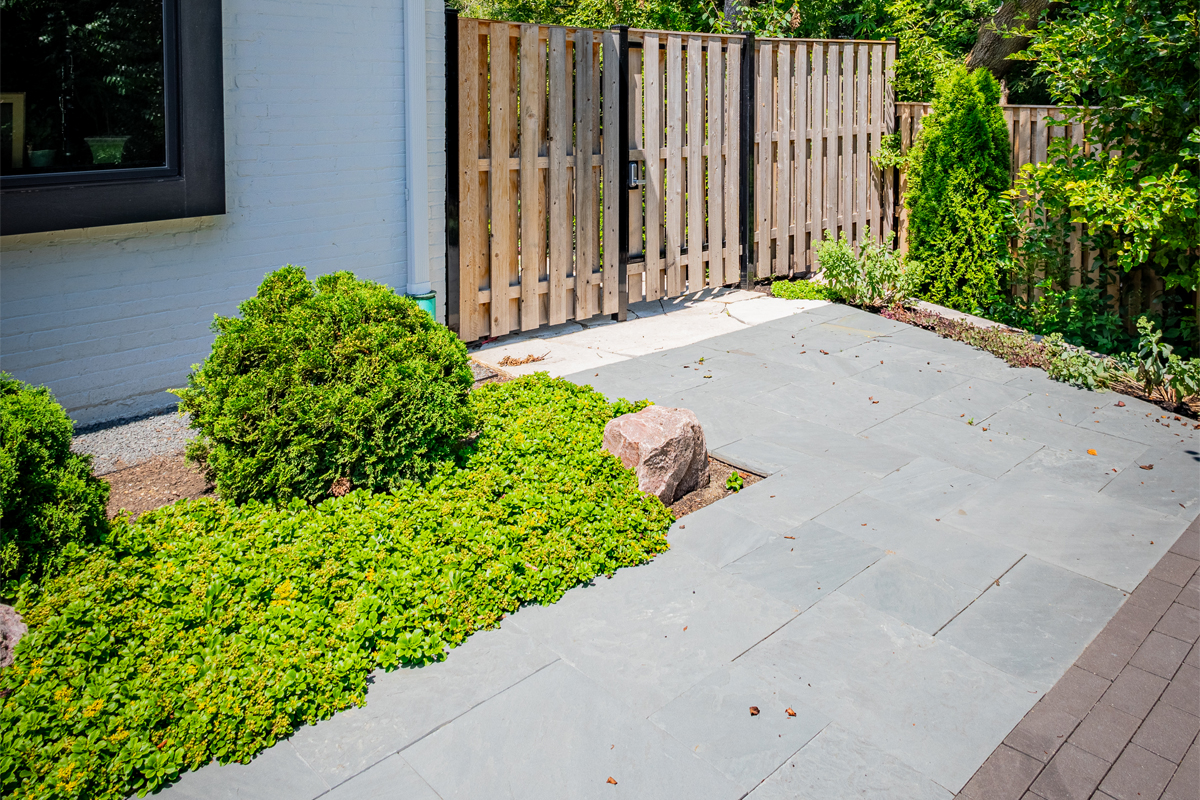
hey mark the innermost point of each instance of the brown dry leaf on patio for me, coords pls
(791, 713)
(1146, 466)
(509, 361)
(1091, 452)
(754, 711)
(611, 780)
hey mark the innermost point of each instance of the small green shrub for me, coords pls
(734, 482)
(960, 168)
(1160, 370)
(338, 382)
(1081, 314)
(50, 502)
(800, 290)
(877, 276)
(209, 631)
(1076, 367)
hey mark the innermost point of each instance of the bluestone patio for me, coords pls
(939, 538)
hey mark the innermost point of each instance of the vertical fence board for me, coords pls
(560, 187)
(862, 151)
(585, 196)
(733, 170)
(800, 202)
(504, 203)
(716, 163)
(472, 234)
(675, 198)
(613, 182)
(783, 179)
(695, 164)
(653, 58)
(889, 127)
(762, 175)
(532, 220)
(845, 194)
(817, 128)
(636, 142)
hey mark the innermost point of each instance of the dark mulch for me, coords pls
(165, 479)
(152, 484)
(718, 473)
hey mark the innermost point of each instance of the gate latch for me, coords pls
(635, 175)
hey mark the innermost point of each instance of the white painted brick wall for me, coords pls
(109, 318)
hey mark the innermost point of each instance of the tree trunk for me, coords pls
(993, 48)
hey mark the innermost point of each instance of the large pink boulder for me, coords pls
(664, 447)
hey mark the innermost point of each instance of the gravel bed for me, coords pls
(127, 444)
(131, 443)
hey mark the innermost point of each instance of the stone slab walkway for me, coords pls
(933, 549)
(1121, 724)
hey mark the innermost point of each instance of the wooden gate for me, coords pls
(579, 186)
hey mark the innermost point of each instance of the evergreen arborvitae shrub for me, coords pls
(959, 169)
(50, 502)
(323, 387)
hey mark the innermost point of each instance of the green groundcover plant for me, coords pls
(323, 386)
(208, 631)
(50, 503)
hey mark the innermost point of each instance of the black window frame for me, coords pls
(192, 183)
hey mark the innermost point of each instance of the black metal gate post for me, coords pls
(622, 145)
(452, 251)
(746, 160)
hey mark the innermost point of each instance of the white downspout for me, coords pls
(416, 141)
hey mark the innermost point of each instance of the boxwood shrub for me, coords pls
(49, 500)
(207, 630)
(324, 386)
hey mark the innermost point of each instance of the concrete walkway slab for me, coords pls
(920, 700)
(806, 564)
(407, 704)
(713, 720)
(628, 633)
(1034, 620)
(1084, 532)
(838, 765)
(937, 544)
(560, 735)
(913, 593)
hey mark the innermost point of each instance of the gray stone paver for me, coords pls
(900, 514)
(558, 734)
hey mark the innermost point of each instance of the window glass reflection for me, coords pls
(81, 85)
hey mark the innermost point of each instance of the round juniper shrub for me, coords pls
(50, 502)
(321, 387)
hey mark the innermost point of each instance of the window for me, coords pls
(110, 112)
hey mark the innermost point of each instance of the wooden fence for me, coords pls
(822, 108)
(1030, 130)
(735, 161)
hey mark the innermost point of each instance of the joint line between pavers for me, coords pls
(996, 582)
(304, 761)
(440, 726)
(784, 625)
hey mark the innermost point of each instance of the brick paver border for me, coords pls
(1122, 723)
